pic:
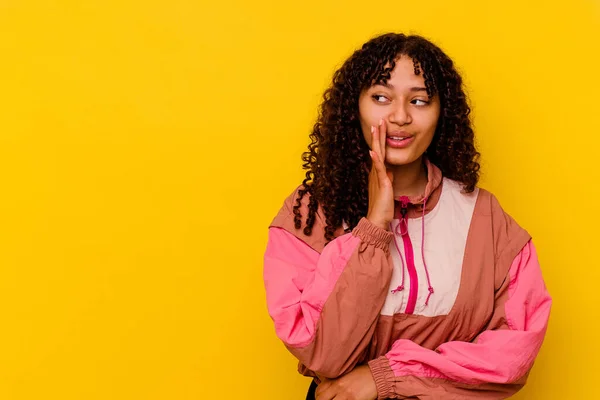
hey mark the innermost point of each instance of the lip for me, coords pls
(399, 144)
(399, 134)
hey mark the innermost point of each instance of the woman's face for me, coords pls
(411, 116)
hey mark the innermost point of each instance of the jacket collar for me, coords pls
(432, 193)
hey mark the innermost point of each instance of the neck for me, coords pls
(409, 179)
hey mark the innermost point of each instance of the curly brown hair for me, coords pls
(337, 160)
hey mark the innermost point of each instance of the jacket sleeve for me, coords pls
(495, 365)
(325, 304)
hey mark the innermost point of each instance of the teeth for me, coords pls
(397, 138)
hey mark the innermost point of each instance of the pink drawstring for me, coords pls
(423, 252)
(399, 231)
(404, 201)
(401, 287)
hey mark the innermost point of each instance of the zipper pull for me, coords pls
(402, 228)
(403, 205)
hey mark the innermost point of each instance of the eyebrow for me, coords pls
(412, 89)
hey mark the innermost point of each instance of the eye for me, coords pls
(377, 96)
(423, 102)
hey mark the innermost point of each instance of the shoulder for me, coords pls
(284, 219)
(455, 191)
(488, 204)
(508, 236)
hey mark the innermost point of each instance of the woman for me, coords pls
(388, 272)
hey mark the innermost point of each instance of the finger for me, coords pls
(377, 143)
(382, 137)
(379, 167)
(328, 392)
(375, 146)
(377, 163)
(374, 160)
(322, 387)
(390, 175)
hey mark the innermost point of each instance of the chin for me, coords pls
(400, 157)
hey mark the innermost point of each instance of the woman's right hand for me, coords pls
(381, 191)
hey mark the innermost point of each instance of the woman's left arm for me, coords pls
(495, 365)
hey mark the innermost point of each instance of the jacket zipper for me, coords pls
(410, 260)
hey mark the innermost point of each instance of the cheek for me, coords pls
(427, 129)
(430, 124)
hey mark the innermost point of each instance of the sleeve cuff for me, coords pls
(373, 234)
(383, 375)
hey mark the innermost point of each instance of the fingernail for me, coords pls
(381, 122)
(372, 129)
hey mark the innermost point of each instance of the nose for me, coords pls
(400, 114)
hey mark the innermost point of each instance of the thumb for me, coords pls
(390, 175)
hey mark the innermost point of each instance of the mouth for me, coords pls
(399, 140)
(399, 137)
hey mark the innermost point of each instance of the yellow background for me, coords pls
(146, 145)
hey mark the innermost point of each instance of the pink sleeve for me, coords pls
(325, 305)
(495, 365)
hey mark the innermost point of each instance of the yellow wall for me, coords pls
(146, 145)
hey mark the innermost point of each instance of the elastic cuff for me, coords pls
(370, 233)
(382, 373)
